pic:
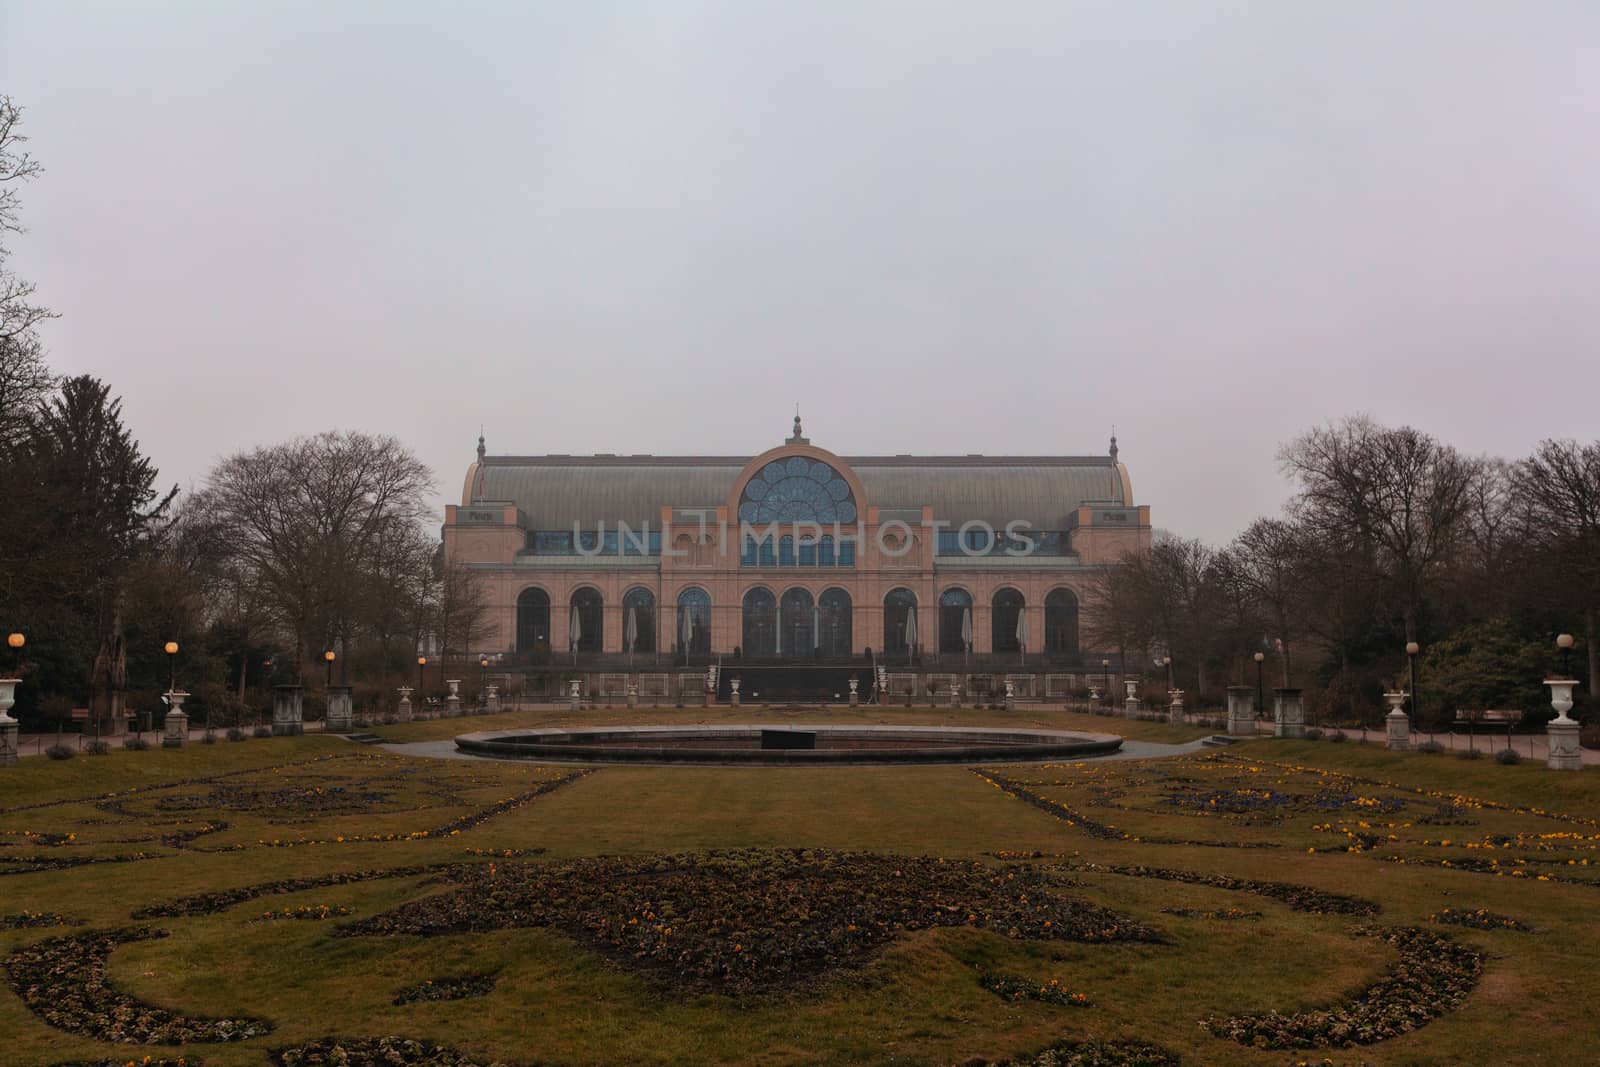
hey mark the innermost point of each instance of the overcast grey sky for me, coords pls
(939, 227)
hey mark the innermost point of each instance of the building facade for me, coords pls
(793, 555)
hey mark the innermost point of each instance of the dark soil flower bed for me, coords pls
(31, 864)
(1013, 987)
(63, 981)
(142, 1061)
(750, 920)
(1097, 1053)
(280, 804)
(468, 821)
(1222, 915)
(1298, 897)
(35, 920)
(1103, 831)
(1433, 976)
(467, 985)
(375, 1052)
(1480, 919)
(223, 899)
(305, 912)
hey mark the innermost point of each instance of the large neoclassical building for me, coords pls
(794, 555)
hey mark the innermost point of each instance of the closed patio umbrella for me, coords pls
(911, 631)
(966, 632)
(630, 632)
(574, 633)
(816, 627)
(686, 631)
(1022, 633)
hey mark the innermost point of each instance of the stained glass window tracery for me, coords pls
(797, 489)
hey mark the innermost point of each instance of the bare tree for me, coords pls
(1559, 506)
(1270, 559)
(18, 312)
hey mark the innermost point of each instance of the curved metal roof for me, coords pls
(556, 491)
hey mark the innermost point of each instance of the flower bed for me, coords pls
(305, 913)
(1013, 987)
(223, 899)
(375, 1052)
(63, 981)
(1222, 915)
(1433, 976)
(1298, 897)
(35, 920)
(467, 985)
(747, 920)
(1480, 919)
(1097, 1053)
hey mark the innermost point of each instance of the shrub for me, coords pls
(208, 738)
(135, 744)
(59, 752)
(97, 748)
(236, 734)
(1470, 753)
(1336, 735)
(1508, 756)
(1428, 747)
(1313, 734)
(262, 731)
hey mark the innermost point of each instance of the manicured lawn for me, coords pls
(810, 915)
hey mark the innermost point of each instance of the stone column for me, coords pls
(340, 708)
(1397, 724)
(574, 697)
(403, 712)
(286, 713)
(1175, 709)
(175, 732)
(733, 686)
(1562, 731)
(1241, 713)
(8, 725)
(452, 703)
(491, 698)
(1288, 713)
(1130, 706)
(855, 697)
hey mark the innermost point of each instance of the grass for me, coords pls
(1348, 818)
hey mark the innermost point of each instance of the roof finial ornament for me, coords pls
(799, 437)
(1113, 442)
(481, 450)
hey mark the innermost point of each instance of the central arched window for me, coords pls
(1005, 614)
(955, 620)
(694, 621)
(639, 615)
(797, 489)
(900, 636)
(586, 611)
(1061, 622)
(760, 623)
(797, 630)
(833, 627)
(533, 622)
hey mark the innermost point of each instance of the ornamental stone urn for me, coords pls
(452, 703)
(633, 695)
(1397, 724)
(8, 725)
(574, 697)
(175, 731)
(287, 718)
(1288, 713)
(1011, 695)
(1094, 694)
(1241, 713)
(733, 686)
(340, 708)
(855, 697)
(491, 698)
(1130, 705)
(955, 693)
(403, 712)
(1175, 708)
(1563, 731)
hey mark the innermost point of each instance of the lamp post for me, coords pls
(328, 657)
(483, 678)
(1166, 661)
(15, 642)
(1412, 648)
(422, 661)
(1261, 692)
(1563, 642)
(171, 649)
(1105, 679)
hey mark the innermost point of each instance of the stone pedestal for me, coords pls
(1288, 713)
(633, 695)
(574, 696)
(955, 695)
(403, 712)
(175, 731)
(341, 709)
(287, 720)
(1130, 704)
(855, 697)
(733, 687)
(1011, 696)
(1396, 724)
(1241, 713)
(491, 698)
(1175, 708)
(8, 725)
(452, 703)
(1562, 731)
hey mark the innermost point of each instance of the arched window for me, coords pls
(694, 621)
(767, 557)
(900, 635)
(955, 620)
(797, 617)
(797, 489)
(833, 625)
(786, 551)
(1061, 622)
(533, 622)
(639, 606)
(760, 623)
(1005, 611)
(587, 606)
(825, 551)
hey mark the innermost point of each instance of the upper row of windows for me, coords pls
(979, 541)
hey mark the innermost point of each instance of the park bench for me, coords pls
(1507, 717)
